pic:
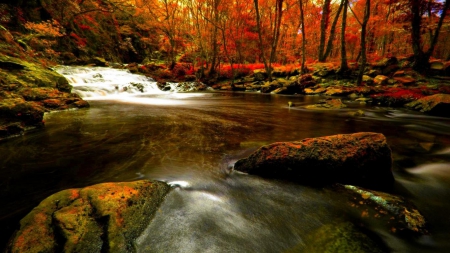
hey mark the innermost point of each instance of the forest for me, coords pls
(208, 34)
(224, 126)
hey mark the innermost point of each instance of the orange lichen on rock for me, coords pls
(79, 220)
(361, 159)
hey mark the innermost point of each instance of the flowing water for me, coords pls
(191, 141)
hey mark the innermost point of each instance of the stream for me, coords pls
(191, 140)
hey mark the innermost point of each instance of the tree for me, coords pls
(302, 23)
(363, 42)
(275, 35)
(323, 27)
(323, 57)
(422, 57)
(344, 65)
(261, 47)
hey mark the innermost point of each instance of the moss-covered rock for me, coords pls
(438, 104)
(362, 159)
(27, 90)
(398, 214)
(106, 217)
(342, 237)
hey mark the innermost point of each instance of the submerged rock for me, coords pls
(435, 104)
(399, 215)
(342, 237)
(106, 217)
(327, 104)
(362, 159)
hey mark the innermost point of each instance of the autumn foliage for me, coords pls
(211, 33)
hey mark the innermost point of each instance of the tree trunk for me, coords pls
(261, 48)
(363, 42)
(212, 70)
(344, 64)
(421, 58)
(332, 33)
(302, 22)
(276, 32)
(323, 28)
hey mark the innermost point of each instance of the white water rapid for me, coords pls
(93, 83)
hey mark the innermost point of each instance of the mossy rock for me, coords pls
(342, 238)
(399, 215)
(106, 217)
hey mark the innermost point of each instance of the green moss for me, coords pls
(342, 237)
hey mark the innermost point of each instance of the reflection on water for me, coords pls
(192, 140)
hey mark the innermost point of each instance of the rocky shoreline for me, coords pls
(389, 82)
(27, 91)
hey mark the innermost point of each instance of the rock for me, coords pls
(398, 214)
(362, 159)
(327, 104)
(105, 217)
(322, 73)
(11, 129)
(438, 104)
(380, 80)
(224, 87)
(437, 65)
(306, 82)
(353, 96)
(365, 100)
(259, 76)
(282, 90)
(367, 78)
(336, 92)
(63, 85)
(314, 91)
(342, 237)
(98, 61)
(358, 113)
(309, 91)
(188, 86)
(373, 73)
(17, 109)
(405, 80)
(267, 88)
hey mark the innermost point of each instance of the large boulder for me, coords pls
(362, 159)
(106, 217)
(27, 90)
(438, 104)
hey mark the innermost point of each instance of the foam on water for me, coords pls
(94, 83)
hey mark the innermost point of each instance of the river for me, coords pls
(191, 141)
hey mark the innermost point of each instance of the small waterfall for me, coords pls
(102, 83)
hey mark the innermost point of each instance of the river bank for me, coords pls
(28, 90)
